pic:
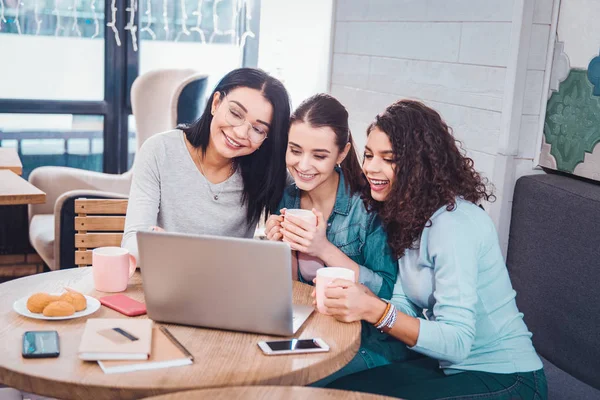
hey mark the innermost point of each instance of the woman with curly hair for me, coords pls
(474, 341)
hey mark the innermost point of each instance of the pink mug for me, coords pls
(112, 267)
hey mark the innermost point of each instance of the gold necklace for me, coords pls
(214, 196)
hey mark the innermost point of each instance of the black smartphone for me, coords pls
(40, 344)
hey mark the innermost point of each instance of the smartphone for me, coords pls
(40, 344)
(124, 304)
(293, 346)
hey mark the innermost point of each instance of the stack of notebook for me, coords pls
(125, 345)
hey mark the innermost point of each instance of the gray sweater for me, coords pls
(169, 191)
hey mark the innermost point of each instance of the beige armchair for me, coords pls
(160, 100)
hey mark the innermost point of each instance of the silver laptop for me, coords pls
(219, 282)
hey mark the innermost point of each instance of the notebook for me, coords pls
(116, 339)
(166, 352)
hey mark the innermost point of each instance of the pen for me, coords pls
(176, 342)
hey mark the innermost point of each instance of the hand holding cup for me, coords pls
(324, 277)
(273, 226)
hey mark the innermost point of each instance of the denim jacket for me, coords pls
(358, 234)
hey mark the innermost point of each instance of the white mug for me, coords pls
(324, 277)
(308, 265)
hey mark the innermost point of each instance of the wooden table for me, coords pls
(269, 393)
(222, 358)
(9, 159)
(17, 258)
(15, 190)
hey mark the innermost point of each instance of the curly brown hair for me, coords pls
(430, 172)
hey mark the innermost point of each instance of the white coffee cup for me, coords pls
(306, 215)
(324, 277)
(308, 265)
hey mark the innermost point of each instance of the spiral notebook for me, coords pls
(166, 352)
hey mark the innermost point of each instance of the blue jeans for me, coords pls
(376, 350)
(363, 360)
(423, 379)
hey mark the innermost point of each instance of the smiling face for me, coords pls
(240, 104)
(378, 165)
(312, 155)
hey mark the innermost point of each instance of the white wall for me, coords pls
(295, 44)
(450, 54)
(534, 85)
(534, 52)
(481, 64)
(579, 29)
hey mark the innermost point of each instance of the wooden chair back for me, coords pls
(99, 223)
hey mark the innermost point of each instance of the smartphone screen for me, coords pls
(294, 344)
(40, 344)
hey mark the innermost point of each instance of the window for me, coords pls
(54, 139)
(64, 95)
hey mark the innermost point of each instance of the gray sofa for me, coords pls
(554, 263)
(9, 394)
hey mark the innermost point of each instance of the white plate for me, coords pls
(20, 306)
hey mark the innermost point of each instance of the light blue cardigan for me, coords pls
(458, 274)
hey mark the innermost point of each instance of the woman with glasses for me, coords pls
(219, 174)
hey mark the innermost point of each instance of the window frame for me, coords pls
(121, 68)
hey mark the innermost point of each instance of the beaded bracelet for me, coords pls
(387, 308)
(388, 327)
(389, 319)
(385, 317)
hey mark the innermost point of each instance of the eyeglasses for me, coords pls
(235, 116)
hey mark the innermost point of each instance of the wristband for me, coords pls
(388, 327)
(387, 308)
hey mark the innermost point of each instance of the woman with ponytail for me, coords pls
(328, 180)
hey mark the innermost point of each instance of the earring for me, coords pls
(339, 166)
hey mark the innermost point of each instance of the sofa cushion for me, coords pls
(41, 236)
(564, 386)
(554, 263)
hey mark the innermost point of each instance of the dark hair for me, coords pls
(323, 110)
(263, 171)
(430, 172)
